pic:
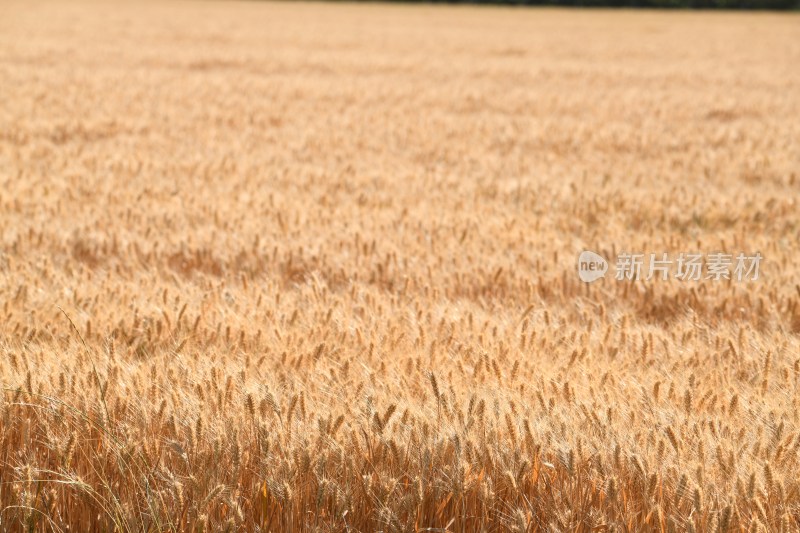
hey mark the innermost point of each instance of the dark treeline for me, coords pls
(676, 4)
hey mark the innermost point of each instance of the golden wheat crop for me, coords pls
(312, 267)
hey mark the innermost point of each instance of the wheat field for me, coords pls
(312, 267)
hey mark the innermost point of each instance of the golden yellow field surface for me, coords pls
(314, 267)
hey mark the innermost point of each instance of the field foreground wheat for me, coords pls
(309, 267)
